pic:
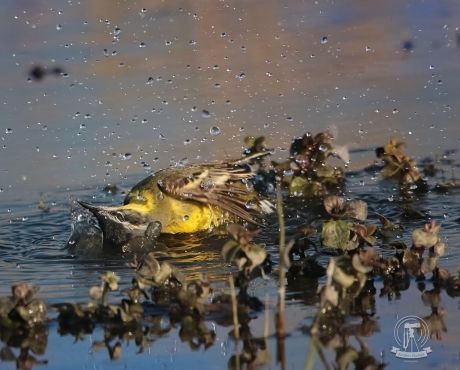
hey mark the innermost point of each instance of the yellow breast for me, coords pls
(191, 216)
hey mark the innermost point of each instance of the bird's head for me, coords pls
(123, 223)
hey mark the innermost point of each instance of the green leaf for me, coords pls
(335, 234)
(7, 304)
(164, 273)
(391, 170)
(256, 254)
(429, 264)
(343, 278)
(33, 313)
(325, 171)
(298, 186)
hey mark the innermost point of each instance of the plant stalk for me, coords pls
(281, 290)
(234, 308)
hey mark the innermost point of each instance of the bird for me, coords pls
(184, 199)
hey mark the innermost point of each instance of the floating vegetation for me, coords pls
(307, 173)
(402, 168)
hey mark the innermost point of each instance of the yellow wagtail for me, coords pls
(188, 199)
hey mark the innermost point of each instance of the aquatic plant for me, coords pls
(401, 167)
(307, 173)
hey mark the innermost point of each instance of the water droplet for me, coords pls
(127, 156)
(117, 32)
(431, 67)
(214, 131)
(324, 40)
(395, 111)
(82, 126)
(288, 172)
(144, 10)
(168, 43)
(186, 218)
(9, 131)
(142, 45)
(217, 86)
(162, 137)
(182, 162)
(114, 53)
(250, 204)
(38, 149)
(59, 27)
(88, 116)
(390, 198)
(368, 48)
(266, 125)
(187, 142)
(106, 52)
(159, 195)
(205, 114)
(323, 148)
(192, 43)
(289, 119)
(361, 183)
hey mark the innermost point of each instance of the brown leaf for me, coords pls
(385, 222)
(240, 234)
(333, 205)
(25, 292)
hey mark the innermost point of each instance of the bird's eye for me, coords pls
(120, 216)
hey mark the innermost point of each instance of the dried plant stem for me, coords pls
(105, 289)
(267, 318)
(281, 290)
(234, 308)
(315, 349)
(235, 321)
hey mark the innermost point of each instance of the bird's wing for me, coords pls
(216, 184)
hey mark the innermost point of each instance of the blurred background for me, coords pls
(93, 91)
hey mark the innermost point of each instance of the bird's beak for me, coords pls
(93, 209)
